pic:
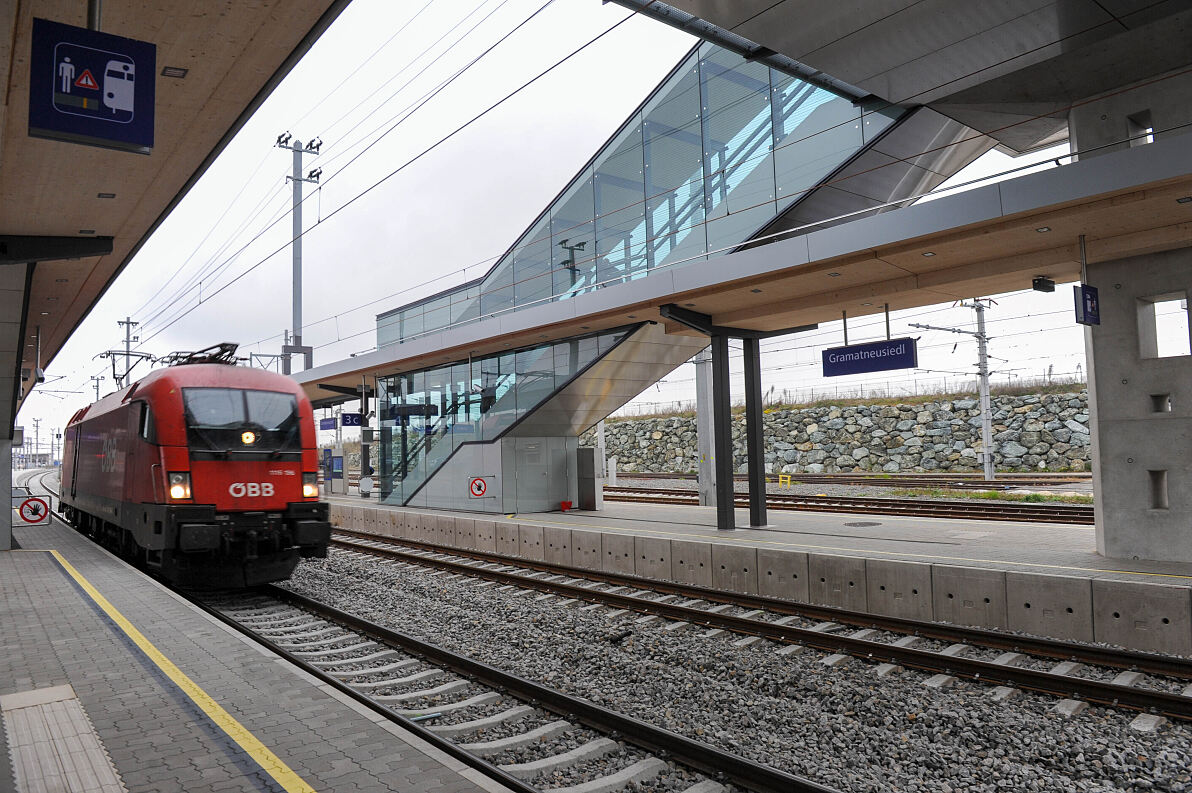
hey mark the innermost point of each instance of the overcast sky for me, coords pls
(387, 226)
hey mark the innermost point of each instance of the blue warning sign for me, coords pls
(91, 87)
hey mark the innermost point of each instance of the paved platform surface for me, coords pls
(156, 735)
(1050, 548)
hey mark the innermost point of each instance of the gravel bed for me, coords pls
(547, 747)
(481, 712)
(505, 729)
(1168, 684)
(592, 769)
(842, 727)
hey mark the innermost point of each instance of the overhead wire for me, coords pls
(253, 214)
(432, 147)
(418, 104)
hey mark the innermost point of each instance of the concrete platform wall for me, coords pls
(1151, 617)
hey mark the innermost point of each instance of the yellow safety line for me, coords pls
(266, 759)
(749, 542)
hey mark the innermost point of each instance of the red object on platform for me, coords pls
(564, 505)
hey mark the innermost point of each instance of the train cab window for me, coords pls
(240, 421)
(147, 428)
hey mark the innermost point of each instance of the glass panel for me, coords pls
(738, 140)
(535, 377)
(817, 131)
(875, 120)
(673, 154)
(498, 394)
(568, 356)
(572, 239)
(619, 192)
(411, 322)
(436, 314)
(497, 294)
(465, 305)
(532, 265)
(388, 329)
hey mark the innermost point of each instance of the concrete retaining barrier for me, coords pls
(1143, 616)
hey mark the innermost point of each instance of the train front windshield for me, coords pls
(237, 421)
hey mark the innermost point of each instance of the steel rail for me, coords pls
(1151, 663)
(974, 510)
(946, 480)
(434, 739)
(708, 759)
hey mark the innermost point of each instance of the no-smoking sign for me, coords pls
(477, 487)
(35, 510)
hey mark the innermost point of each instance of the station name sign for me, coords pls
(91, 87)
(877, 356)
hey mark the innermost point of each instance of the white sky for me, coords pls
(446, 217)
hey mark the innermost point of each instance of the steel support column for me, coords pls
(722, 434)
(703, 427)
(755, 444)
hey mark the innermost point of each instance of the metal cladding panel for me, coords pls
(969, 596)
(837, 581)
(1150, 617)
(652, 558)
(913, 157)
(782, 574)
(530, 541)
(558, 544)
(617, 553)
(586, 552)
(734, 568)
(1050, 605)
(648, 355)
(899, 589)
(691, 562)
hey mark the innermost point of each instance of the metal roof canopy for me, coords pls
(73, 216)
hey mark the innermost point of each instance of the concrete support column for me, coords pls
(722, 431)
(6, 476)
(1141, 408)
(703, 427)
(754, 429)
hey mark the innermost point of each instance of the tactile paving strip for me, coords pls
(53, 744)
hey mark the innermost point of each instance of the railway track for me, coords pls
(948, 481)
(516, 731)
(1076, 673)
(926, 508)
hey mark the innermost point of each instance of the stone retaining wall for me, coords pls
(1048, 432)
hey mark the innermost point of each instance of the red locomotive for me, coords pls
(203, 472)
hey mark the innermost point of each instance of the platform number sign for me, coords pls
(91, 87)
(1088, 305)
(477, 487)
(349, 419)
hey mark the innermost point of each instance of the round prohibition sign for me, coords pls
(477, 487)
(34, 510)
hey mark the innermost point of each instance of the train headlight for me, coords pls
(178, 483)
(248, 437)
(310, 485)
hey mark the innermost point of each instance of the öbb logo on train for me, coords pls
(242, 489)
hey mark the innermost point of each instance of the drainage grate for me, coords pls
(863, 523)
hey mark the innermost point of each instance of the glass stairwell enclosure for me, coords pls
(716, 152)
(426, 415)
